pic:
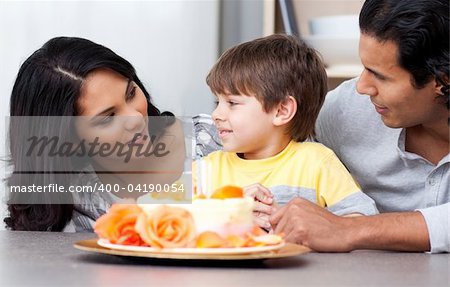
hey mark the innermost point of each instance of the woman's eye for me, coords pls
(132, 93)
(106, 120)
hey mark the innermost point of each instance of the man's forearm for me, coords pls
(405, 231)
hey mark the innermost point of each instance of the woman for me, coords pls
(76, 77)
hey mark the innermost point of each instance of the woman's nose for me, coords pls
(365, 85)
(134, 121)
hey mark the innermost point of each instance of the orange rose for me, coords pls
(166, 227)
(117, 225)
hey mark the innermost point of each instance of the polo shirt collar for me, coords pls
(409, 156)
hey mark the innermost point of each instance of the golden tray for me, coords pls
(288, 250)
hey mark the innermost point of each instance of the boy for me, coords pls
(269, 92)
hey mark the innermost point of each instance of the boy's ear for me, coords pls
(285, 111)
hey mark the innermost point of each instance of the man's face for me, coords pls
(390, 88)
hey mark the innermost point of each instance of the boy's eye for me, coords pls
(216, 103)
(231, 103)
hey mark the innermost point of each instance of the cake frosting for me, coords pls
(228, 216)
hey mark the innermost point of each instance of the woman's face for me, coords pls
(113, 111)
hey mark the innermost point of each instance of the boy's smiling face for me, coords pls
(243, 125)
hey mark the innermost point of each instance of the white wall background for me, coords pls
(172, 45)
(240, 21)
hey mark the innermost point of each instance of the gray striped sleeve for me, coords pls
(357, 202)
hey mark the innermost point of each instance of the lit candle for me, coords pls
(204, 178)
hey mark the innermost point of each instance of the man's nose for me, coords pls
(365, 85)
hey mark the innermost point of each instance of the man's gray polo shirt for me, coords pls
(375, 155)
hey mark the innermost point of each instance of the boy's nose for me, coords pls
(217, 114)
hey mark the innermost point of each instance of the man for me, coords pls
(390, 127)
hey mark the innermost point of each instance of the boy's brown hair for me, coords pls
(271, 69)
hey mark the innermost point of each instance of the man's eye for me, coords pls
(380, 77)
(376, 75)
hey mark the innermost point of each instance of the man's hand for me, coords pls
(264, 204)
(305, 223)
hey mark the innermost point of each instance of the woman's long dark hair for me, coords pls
(48, 84)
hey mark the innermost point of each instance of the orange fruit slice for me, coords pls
(258, 231)
(228, 191)
(209, 239)
(236, 241)
(268, 239)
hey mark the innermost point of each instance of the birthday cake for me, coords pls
(224, 219)
(230, 216)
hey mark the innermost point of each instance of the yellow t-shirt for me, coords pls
(309, 170)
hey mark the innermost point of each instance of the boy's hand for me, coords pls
(264, 206)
